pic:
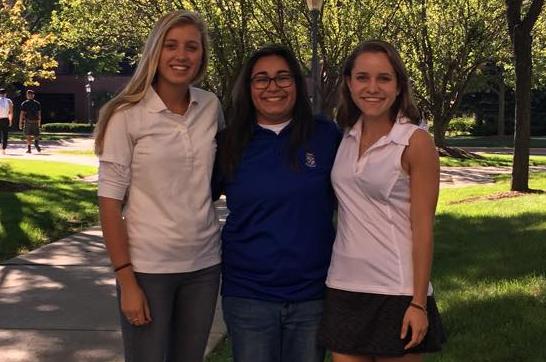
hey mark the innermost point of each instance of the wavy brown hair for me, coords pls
(145, 74)
(348, 112)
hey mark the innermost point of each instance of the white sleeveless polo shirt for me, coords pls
(373, 248)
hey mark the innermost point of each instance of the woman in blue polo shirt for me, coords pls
(274, 168)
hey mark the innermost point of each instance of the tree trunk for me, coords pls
(439, 131)
(522, 52)
(502, 106)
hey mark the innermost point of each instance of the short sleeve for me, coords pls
(118, 144)
(114, 180)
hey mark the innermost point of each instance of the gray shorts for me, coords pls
(31, 128)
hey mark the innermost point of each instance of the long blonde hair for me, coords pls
(145, 73)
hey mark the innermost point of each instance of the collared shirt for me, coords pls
(164, 161)
(373, 248)
(277, 240)
(5, 105)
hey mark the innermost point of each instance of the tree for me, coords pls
(95, 35)
(443, 43)
(520, 28)
(24, 55)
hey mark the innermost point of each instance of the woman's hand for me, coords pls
(134, 305)
(417, 320)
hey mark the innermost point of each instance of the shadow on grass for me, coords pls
(489, 276)
(492, 248)
(56, 207)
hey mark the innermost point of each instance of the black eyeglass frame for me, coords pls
(269, 79)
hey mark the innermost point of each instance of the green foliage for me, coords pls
(443, 43)
(57, 204)
(24, 56)
(68, 127)
(461, 126)
(96, 35)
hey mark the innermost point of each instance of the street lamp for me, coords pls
(314, 7)
(90, 79)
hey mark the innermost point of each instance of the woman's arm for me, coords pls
(133, 302)
(422, 163)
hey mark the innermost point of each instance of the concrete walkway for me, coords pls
(57, 303)
(466, 176)
(52, 151)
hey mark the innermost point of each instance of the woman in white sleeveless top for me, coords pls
(379, 305)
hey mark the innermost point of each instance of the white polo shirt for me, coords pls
(5, 104)
(164, 162)
(372, 252)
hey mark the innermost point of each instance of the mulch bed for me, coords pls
(457, 152)
(8, 186)
(497, 196)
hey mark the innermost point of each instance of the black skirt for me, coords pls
(369, 324)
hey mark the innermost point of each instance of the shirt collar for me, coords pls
(397, 134)
(155, 104)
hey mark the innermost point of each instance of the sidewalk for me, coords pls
(50, 151)
(58, 303)
(466, 176)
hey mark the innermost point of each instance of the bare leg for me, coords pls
(410, 357)
(338, 357)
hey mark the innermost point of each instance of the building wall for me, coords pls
(74, 87)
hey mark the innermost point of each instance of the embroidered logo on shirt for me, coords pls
(310, 160)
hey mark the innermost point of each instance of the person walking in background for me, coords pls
(379, 304)
(274, 167)
(6, 118)
(156, 145)
(30, 120)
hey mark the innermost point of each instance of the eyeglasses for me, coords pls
(282, 81)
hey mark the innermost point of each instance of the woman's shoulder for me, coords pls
(327, 127)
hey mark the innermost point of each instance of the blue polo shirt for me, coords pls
(278, 236)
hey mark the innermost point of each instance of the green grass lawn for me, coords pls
(56, 204)
(491, 141)
(489, 160)
(489, 275)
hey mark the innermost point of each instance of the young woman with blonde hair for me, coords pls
(156, 146)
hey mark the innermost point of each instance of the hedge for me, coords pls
(68, 127)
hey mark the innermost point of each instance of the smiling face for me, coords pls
(181, 56)
(373, 85)
(273, 104)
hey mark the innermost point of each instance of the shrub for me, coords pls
(461, 126)
(68, 127)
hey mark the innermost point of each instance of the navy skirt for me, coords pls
(369, 324)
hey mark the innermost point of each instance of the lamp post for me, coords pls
(314, 7)
(90, 79)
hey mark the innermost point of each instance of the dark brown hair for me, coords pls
(242, 118)
(348, 112)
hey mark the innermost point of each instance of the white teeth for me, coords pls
(180, 67)
(273, 99)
